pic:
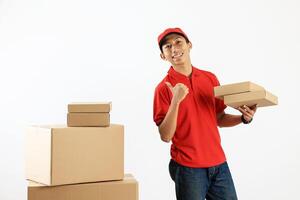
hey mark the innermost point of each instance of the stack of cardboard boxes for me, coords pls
(245, 93)
(81, 161)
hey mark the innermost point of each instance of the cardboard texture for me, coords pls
(126, 189)
(261, 98)
(88, 119)
(57, 155)
(236, 88)
(92, 107)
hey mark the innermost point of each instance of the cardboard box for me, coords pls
(90, 107)
(57, 155)
(261, 98)
(126, 189)
(88, 119)
(236, 88)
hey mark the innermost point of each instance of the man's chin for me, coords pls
(179, 62)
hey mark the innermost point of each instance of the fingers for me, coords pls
(185, 88)
(247, 109)
(182, 86)
(254, 107)
(248, 112)
(245, 112)
(251, 109)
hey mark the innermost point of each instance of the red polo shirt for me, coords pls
(196, 142)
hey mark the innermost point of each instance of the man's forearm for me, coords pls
(228, 120)
(168, 126)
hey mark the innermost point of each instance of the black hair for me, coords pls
(163, 41)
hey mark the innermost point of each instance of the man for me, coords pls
(187, 113)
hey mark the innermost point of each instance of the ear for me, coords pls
(162, 56)
(190, 45)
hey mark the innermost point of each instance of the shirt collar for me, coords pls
(172, 72)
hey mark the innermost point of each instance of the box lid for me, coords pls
(90, 107)
(235, 88)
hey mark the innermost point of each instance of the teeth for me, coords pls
(178, 55)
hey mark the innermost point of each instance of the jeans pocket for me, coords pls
(224, 170)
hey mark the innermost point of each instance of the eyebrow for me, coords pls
(174, 40)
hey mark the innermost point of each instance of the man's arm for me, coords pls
(167, 127)
(228, 120)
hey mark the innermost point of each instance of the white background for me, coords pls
(60, 51)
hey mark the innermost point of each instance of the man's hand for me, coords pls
(248, 112)
(179, 91)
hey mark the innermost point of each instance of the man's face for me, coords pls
(176, 50)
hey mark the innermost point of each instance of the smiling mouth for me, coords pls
(177, 56)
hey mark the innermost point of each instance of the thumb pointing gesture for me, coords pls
(179, 91)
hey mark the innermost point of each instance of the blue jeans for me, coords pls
(213, 183)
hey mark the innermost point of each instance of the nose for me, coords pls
(174, 49)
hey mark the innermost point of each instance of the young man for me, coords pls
(187, 113)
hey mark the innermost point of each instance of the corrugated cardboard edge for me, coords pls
(51, 159)
(272, 97)
(128, 178)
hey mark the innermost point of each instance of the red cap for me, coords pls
(169, 31)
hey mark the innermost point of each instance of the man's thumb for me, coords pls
(169, 85)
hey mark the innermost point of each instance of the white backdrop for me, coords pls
(59, 51)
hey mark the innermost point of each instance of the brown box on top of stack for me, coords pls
(94, 114)
(236, 88)
(126, 189)
(245, 93)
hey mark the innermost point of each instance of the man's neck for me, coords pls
(185, 69)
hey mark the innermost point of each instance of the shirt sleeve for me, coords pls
(219, 103)
(161, 104)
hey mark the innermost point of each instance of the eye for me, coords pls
(178, 41)
(167, 46)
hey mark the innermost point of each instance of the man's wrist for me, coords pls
(245, 121)
(175, 102)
